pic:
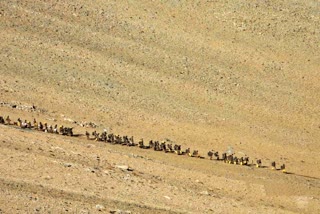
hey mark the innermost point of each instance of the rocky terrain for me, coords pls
(204, 74)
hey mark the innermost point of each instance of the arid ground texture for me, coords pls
(208, 75)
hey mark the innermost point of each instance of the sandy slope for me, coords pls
(205, 74)
(59, 174)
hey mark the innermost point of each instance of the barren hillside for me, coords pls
(204, 74)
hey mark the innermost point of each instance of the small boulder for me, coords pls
(100, 207)
(120, 212)
(167, 197)
(68, 165)
(204, 193)
(124, 167)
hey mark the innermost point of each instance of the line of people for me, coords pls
(232, 159)
(168, 147)
(111, 138)
(25, 124)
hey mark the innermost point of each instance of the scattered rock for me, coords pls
(48, 177)
(100, 207)
(107, 172)
(87, 124)
(167, 197)
(90, 146)
(120, 212)
(158, 178)
(89, 169)
(17, 105)
(197, 181)
(127, 177)
(67, 164)
(204, 193)
(124, 167)
(69, 120)
(135, 156)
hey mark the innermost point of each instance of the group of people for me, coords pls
(168, 147)
(129, 141)
(232, 159)
(111, 138)
(25, 124)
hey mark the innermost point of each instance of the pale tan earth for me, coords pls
(204, 74)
